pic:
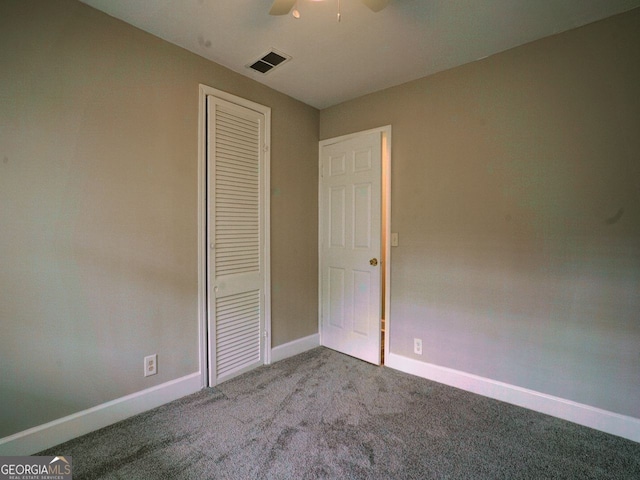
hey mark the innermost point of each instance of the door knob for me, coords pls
(373, 261)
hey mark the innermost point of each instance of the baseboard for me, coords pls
(599, 419)
(295, 347)
(58, 431)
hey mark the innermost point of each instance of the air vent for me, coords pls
(269, 61)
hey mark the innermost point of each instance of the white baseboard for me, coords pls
(295, 347)
(53, 433)
(599, 419)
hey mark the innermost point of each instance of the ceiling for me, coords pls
(333, 62)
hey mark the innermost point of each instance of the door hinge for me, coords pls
(265, 148)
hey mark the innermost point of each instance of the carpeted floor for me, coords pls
(326, 415)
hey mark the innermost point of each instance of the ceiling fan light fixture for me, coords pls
(283, 7)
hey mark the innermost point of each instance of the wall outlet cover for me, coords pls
(150, 365)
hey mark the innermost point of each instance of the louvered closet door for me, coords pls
(236, 237)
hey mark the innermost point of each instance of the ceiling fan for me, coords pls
(283, 7)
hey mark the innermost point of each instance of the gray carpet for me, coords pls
(326, 415)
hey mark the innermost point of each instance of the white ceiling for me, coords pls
(365, 52)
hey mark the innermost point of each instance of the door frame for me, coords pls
(385, 147)
(203, 241)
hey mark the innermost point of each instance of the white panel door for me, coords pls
(350, 236)
(236, 236)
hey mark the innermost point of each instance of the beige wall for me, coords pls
(516, 186)
(516, 194)
(98, 209)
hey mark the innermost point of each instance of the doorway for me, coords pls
(354, 255)
(234, 233)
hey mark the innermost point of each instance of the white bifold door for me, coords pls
(350, 245)
(236, 264)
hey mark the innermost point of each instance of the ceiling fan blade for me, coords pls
(376, 5)
(281, 7)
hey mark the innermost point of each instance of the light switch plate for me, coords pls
(394, 239)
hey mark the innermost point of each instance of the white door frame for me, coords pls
(203, 296)
(385, 134)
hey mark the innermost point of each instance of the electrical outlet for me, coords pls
(417, 346)
(150, 365)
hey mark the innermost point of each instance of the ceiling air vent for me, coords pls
(269, 61)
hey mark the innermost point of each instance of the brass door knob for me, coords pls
(373, 261)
